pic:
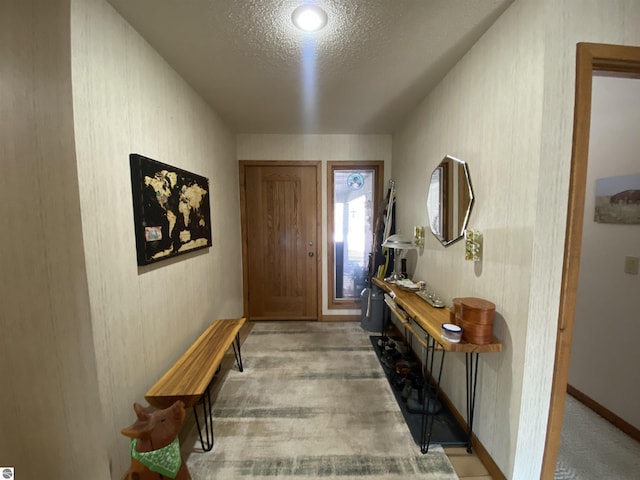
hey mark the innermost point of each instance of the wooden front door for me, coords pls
(280, 239)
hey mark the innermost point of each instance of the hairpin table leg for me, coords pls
(471, 360)
(428, 419)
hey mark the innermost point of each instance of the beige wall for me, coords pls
(51, 419)
(566, 23)
(607, 298)
(127, 100)
(507, 109)
(319, 148)
(487, 111)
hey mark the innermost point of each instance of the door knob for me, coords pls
(311, 254)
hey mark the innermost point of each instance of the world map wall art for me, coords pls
(170, 208)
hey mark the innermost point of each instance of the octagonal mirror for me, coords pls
(449, 200)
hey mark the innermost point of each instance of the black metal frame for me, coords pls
(429, 380)
(208, 440)
(471, 366)
(205, 400)
(236, 351)
(471, 373)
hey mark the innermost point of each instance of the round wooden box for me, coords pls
(475, 316)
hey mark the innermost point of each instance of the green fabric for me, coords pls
(165, 461)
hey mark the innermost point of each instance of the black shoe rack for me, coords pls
(406, 378)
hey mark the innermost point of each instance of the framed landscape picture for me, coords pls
(618, 199)
(171, 210)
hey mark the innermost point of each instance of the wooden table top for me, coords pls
(430, 319)
(189, 377)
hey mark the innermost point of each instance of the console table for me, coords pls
(412, 311)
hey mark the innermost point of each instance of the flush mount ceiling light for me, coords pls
(309, 18)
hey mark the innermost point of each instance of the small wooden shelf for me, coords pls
(424, 323)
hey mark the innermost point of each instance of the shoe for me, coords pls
(406, 391)
(415, 405)
(403, 368)
(390, 358)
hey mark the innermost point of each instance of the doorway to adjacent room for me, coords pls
(592, 58)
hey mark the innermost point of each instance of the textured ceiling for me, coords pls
(371, 65)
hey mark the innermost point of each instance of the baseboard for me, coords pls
(476, 444)
(340, 318)
(605, 413)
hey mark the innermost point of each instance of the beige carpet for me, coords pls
(591, 448)
(311, 403)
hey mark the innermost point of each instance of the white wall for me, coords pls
(603, 352)
(319, 148)
(51, 417)
(507, 109)
(126, 99)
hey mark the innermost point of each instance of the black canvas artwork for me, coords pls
(171, 210)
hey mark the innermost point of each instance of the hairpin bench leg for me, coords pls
(207, 441)
(237, 352)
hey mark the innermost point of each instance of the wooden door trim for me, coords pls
(378, 167)
(242, 164)
(590, 58)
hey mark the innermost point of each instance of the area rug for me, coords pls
(591, 448)
(311, 403)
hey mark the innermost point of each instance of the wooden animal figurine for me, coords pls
(155, 449)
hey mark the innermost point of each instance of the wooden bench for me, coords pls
(190, 377)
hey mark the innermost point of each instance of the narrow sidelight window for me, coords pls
(353, 199)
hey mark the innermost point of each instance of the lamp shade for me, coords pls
(399, 241)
